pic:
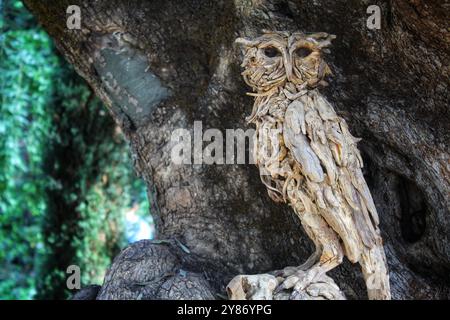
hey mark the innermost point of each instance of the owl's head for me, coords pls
(275, 58)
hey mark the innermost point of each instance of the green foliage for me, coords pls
(103, 213)
(91, 188)
(26, 67)
(13, 16)
(66, 180)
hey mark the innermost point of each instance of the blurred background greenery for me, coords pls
(68, 193)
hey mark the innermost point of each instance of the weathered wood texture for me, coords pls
(308, 158)
(390, 85)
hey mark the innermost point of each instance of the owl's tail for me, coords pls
(376, 275)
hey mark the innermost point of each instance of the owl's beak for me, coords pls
(289, 74)
(288, 66)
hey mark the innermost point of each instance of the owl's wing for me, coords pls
(326, 152)
(294, 130)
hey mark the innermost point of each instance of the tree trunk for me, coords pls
(162, 65)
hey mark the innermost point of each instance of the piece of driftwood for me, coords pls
(263, 287)
(308, 158)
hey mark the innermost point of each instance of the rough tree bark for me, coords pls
(161, 65)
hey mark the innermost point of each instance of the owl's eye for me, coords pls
(303, 52)
(271, 52)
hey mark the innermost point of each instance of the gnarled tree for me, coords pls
(161, 65)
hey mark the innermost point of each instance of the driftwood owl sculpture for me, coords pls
(308, 158)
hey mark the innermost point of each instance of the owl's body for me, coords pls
(308, 158)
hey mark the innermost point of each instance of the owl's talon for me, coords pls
(299, 280)
(281, 287)
(294, 295)
(286, 272)
(278, 289)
